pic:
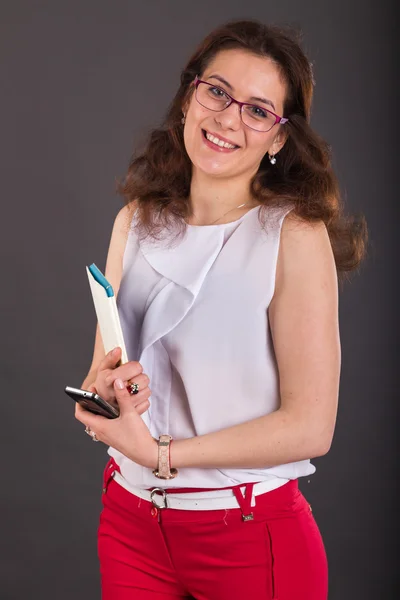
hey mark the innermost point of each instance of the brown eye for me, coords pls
(258, 112)
(218, 93)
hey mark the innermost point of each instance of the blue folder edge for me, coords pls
(99, 277)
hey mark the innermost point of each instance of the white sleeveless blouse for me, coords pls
(195, 315)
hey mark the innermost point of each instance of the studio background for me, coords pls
(82, 82)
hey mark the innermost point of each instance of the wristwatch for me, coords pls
(164, 470)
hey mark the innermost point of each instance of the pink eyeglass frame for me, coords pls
(278, 120)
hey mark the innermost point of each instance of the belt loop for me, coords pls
(109, 473)
(244, 500)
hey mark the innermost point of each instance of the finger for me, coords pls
(95, 422)
(125, 372)
(111, 359)
(142, 407)
(124, 398)
(141, 396)
(78, 410)
(141, 381)
(78, 407)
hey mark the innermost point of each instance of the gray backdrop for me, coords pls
(81, 83)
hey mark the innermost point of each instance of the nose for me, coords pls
(230, 117)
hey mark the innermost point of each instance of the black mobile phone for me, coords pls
(92, 402)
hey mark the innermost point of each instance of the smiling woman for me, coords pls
(225, 261)
(265, 67)
(249, 76)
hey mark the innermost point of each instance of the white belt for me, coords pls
(213, 500)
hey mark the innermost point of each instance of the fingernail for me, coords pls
(119, 384)
(115, 351)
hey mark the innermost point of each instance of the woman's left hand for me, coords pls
(128, 433)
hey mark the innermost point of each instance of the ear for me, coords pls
(187, 99)
(278, 142)
(185, 106)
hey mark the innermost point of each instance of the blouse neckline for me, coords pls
(220, 225)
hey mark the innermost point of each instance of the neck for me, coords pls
(211, 197)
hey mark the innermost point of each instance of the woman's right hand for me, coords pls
(131, 372)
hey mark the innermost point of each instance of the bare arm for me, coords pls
(113, 273)
(304, 324)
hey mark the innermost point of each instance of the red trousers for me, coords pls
(150, 554)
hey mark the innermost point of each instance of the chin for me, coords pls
(215, 170)
(215, 167)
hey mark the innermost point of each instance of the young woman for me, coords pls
(225, 260)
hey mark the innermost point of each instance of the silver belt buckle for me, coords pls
(163, 494)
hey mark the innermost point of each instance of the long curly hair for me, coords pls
(158, 179)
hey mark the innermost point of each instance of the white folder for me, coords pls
(106, 311)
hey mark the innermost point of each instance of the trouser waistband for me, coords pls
(242, 496)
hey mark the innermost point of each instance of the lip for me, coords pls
(220, 137)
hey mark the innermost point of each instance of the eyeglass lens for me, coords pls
(214, 98)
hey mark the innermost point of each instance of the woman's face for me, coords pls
(245, 77)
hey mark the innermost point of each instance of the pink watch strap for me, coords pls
(164, 470)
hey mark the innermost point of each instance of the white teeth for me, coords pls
(218, 142)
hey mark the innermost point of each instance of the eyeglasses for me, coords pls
(215, 98)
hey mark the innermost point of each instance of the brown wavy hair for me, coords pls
(158, 178)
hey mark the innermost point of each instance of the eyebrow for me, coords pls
(253, 98)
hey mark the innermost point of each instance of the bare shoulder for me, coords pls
(121, 228)
(305, 254)
(124, 217)
(296, 230)
(119, 237)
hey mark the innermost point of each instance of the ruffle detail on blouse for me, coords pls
(186, 266)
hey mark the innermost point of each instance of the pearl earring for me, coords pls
(183, 119)
(272, 159)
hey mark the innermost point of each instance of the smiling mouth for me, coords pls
(217, 142)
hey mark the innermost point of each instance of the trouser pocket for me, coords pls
(108, 474)
(270, 549)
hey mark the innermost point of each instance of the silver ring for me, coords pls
(92, 434)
